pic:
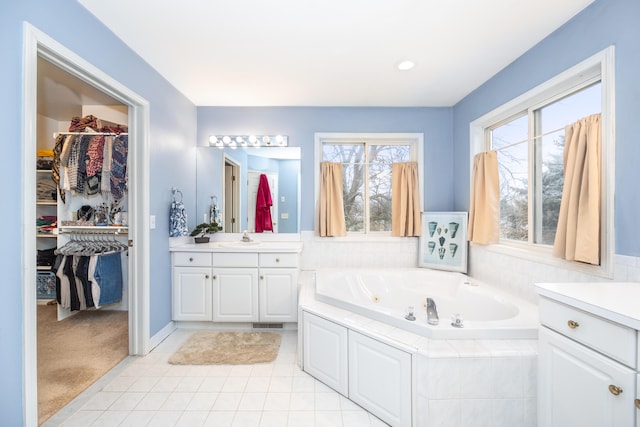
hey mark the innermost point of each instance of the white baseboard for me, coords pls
(161, 335)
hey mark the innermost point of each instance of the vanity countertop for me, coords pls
(239, 246)
(615, 301)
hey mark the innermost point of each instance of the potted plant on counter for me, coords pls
(199, 233)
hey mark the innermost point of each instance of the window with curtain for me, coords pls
(528, 134)
(530, 149)
(366, 170)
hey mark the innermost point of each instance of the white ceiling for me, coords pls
(330, 52)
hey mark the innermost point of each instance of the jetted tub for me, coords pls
(386, 294)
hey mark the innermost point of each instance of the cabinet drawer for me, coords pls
(278, 260)
(612, 339)
(195, 259)
(235, 259)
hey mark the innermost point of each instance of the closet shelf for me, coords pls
(46, 202)
(93, 229)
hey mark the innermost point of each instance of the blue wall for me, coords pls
(604, 23)
(172, 161)
(301, 123)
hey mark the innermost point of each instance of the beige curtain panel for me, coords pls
(484, 207)
(331, 215)
(405, 197)
(578, 232)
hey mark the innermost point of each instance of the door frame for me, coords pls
(235, 190)
(37, 43)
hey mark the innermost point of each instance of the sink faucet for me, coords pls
(432, 312)
(245, 237)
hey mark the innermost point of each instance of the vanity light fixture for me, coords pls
(234, 141)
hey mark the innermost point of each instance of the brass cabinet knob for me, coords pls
(215, 277)
(277, 259)
(206, 276)
(191, 259)
(637, 403)
(261, 277)
(573, 324)
(615, 390)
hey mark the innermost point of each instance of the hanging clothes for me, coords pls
(263, 206)
(89, 272)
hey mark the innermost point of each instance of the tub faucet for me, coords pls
(432, 312)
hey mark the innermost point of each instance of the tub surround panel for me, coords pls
(492, 382)
(369, 252)
(519, 276)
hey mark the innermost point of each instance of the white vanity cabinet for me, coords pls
(373, 374)
(588, 361)
(240, 286)
(235, 287)
(192, 284)
(278, 287)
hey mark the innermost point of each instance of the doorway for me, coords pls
(39, 45)
(231, 196)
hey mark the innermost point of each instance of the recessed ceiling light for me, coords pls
(406, 65)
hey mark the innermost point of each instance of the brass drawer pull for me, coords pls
(637, 402)
(615, 390)
(573, 324)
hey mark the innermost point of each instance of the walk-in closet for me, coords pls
(82, 232)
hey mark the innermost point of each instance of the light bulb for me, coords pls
(226, 139)
(213, 139)
(253, 139)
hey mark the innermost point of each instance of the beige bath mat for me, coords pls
(234, 348)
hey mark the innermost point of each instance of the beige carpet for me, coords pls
(75, 352)
(235, 348)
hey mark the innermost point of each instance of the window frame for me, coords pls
(599, 67)
(415, 140)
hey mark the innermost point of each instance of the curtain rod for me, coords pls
(528, 139)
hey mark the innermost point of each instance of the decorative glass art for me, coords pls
(443, 243)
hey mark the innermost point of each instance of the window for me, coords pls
(529, 213)
(528, 135)
(366, 172)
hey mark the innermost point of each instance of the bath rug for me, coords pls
(233, 348)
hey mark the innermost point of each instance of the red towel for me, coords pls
(263, 206)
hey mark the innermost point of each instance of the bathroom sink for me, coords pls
(240, 244)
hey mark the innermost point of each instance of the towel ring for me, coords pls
(175, 190)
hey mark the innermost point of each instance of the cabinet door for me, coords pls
(235, 295)
(577, 386)
(325, 352)
(380, 379)
(278, 294)
(191, 293)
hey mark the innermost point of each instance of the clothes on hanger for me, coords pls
(89, 272)
(263, 206)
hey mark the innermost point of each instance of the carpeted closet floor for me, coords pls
(75, 352)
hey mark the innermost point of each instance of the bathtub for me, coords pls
(386, 294)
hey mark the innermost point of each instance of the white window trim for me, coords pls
(602, 63)
(321, 138)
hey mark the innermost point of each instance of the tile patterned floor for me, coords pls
(148, 391)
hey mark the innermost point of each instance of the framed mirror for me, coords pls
(228, 179)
